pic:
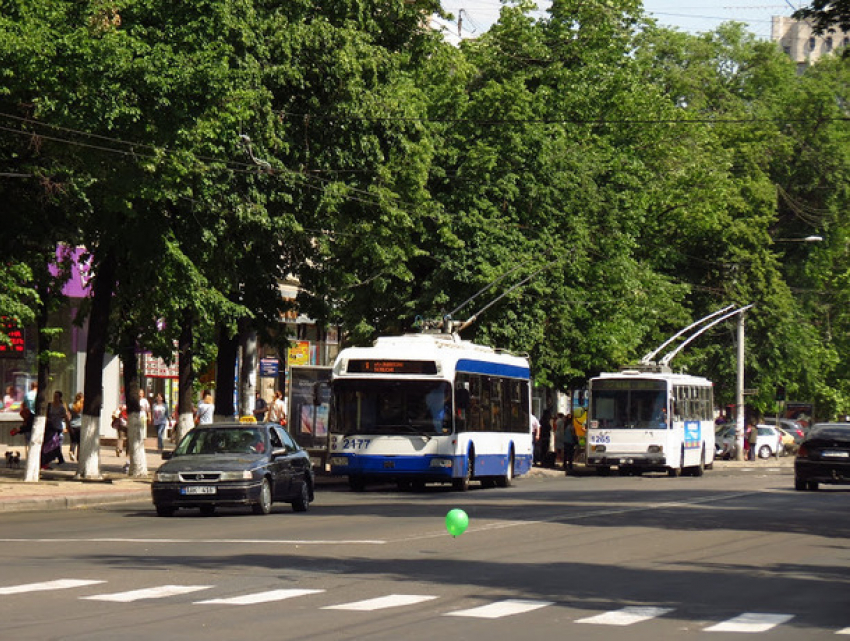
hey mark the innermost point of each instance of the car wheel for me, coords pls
(302, 503)
(799, 484)
(207, 510)
(164, 510)
(813, 486)
(264, 506)
(507, 479)
(764, 451)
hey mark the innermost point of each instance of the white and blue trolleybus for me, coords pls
(650, 421)
(425, 408)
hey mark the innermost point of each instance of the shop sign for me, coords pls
(299, 354)
(269, 367)
(15, 347)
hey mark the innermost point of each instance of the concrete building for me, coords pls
(801, 44)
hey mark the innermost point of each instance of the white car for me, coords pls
(769, 442)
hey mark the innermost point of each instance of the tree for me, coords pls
(826, 15)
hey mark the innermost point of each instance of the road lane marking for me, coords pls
(751, 622)
(259, 597)
(208, 541)
(58, 584)
(500, 609)
(379, 603)
(626, 616)
(159, 592)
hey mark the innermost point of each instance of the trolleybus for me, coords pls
(650, 421)
(425, 408)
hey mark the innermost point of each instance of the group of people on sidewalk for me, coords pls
(61, 420)
(554, 439)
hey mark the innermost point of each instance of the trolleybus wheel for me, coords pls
(505, 481)
(462, 484)
(356, 483)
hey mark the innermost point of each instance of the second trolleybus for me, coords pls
(650, 421)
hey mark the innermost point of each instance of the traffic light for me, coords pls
(780, 392)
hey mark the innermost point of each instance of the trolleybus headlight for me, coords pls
(655, 449)
(597, 448)
(339, 461)
(441, 462)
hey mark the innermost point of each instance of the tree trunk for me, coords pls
(88, 466)
(43, 340)
(225, 372)
(136, 423)
(248, 370)
(186, 378)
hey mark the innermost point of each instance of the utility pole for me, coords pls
(739, 393)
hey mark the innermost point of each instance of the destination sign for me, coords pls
(370, 366)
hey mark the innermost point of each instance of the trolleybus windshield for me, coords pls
(630, 404)
(392, 407)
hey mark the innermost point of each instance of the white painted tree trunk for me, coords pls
(88, 457)
(34, 457)
(185, 422)
(136, 445)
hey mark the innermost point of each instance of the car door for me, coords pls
(280, 465)
(297, 463)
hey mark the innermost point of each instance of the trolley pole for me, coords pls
(739, 393)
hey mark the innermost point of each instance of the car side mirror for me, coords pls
(167, 454)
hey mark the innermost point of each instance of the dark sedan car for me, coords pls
(823, 457)
(234, 464)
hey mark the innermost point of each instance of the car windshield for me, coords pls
(228, 440)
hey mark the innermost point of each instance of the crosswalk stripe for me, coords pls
(843, 631)
(58, 584)
(626, 616)
(501, 609)
(159, 592)
(390, 601)
(259, 597)
(751, 622)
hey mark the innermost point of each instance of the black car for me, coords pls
(823, 457)
(234, 464)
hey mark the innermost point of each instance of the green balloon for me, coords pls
(456, 522)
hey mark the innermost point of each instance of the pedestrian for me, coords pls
(535, 436)
(144, 413)
(159, 414)
(119, 424)
(206, 409)
(9, 399)
(260, 407)
(75, 426)
(752, 439)
(277, 411)
(545, 442)
(29, 399)
(58, 416)
(569, 440)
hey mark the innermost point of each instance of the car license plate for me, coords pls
(198, 489)
(834, 454)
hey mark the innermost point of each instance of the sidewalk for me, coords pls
(57, 489)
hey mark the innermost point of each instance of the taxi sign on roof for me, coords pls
(247, 419)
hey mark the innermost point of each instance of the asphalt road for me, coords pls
(735, 552)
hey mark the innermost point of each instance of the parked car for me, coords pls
(789, 442)
(769, 442)
(795, 428)
(823, 457)
(234, 464)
